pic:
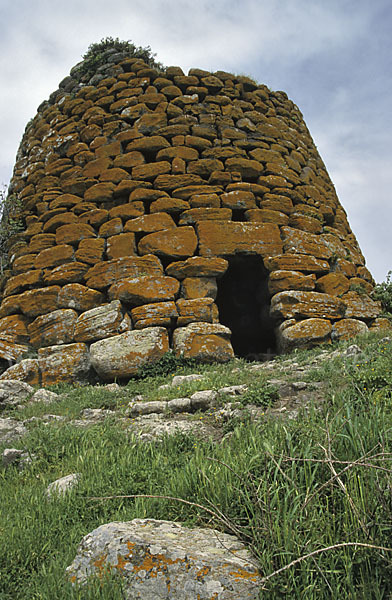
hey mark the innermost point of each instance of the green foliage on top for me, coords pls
(383, 293)
(97, 54)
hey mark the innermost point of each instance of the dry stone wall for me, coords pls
(138, 191)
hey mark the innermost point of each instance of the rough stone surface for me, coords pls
(11, 430)
(14, 392)
(162, 560)
(306, 304)
(122, 355)
(101, 322)
(152, 191)
(304, 334)
(69, 363)
(203, 341)
(348, 328)
(63, 485)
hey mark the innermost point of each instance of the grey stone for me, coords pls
(153, 427)
(352, 350)
(63, 485)
(147, 408)
(19, 458)
(299, 385)
(233, 390)
(44, 396)
(161, 560)
(122, 355)
(179, 405)
(203, 399)
(11, 456)
(112, 387)
(11, 430)
(95, 414)
(181, 379)
(13, 392)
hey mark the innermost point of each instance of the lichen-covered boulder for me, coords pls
(121, 356)
(101, 322)
(203, 341)
(67, 363)
(304, 334)
(306, 304)
(162, 560)
(348, 328)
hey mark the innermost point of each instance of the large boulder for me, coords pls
(207, 342)
(121, 356)
(162, 560)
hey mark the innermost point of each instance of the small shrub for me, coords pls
(96, 54)
(263, 395)
(167, 364)
(358, 288)
(383, 293)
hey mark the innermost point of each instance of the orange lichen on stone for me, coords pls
(244, 574)
(228, 239)
(179, 242)
(215, 176)
(145, 289)
(289, 304)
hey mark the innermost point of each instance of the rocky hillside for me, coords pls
(241, 480)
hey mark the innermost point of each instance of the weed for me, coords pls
(97, 55)
(260, 395)
(167, 364)
(383, 293)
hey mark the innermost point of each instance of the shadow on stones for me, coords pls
(244, 305)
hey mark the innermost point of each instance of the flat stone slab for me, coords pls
(161, 560)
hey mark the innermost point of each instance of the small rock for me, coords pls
(11, 430)
(153, 427)
(164, 386)
(181, 379)
(63, 485)
(179, 405)
(299, 385)
(203, 399)
(11, 456)
(138, 398)
(12, 392)
(112, 387)
(44, 396)
(233, 390)
(147, 408)
(96, 413)
(352, 350)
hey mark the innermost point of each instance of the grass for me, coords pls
(287, 487)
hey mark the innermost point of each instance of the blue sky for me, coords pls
(332, 58)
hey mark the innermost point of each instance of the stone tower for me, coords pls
(170, 211)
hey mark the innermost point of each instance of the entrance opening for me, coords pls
(243, 301)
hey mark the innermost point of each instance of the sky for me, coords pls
(332, 57)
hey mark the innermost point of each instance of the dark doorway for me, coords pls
(244, 303)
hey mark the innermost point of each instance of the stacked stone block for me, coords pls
(135, 188)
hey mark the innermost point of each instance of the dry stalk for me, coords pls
(233, 528)
(320, 551)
